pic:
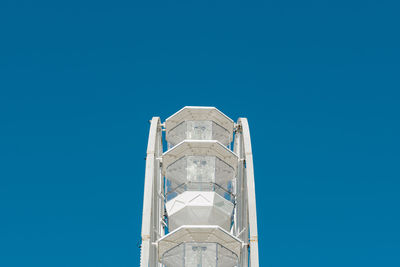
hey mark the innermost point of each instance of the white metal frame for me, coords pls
(153, 209)
(245, 215)
(245, 221)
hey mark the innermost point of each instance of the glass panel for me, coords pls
(226, 258)
(199, 255)
(200, 169)
(198, 130)
(176, 135)
(220, 134)
(224, 173)
(174, 257)
(200, 173)
(176, 173)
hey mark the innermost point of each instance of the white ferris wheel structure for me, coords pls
(199, 205)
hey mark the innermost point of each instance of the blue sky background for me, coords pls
(318, 81)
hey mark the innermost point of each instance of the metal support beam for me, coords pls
(251, 193)
(151, 206)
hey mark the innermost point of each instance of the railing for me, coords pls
(200, 186)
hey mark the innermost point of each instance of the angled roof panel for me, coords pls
(190, 113)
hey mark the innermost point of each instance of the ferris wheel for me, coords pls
(199, 206)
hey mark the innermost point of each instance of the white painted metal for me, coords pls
(200, 214)
(199, 233)
(251, 194)
(199, 208)
(152, 227)
(240, 228)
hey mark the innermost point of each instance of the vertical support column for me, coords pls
(241, 229)
(250, 190)
(151, 206)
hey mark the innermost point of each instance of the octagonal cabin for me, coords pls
(199, 123)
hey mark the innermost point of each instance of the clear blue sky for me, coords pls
(318, 81)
